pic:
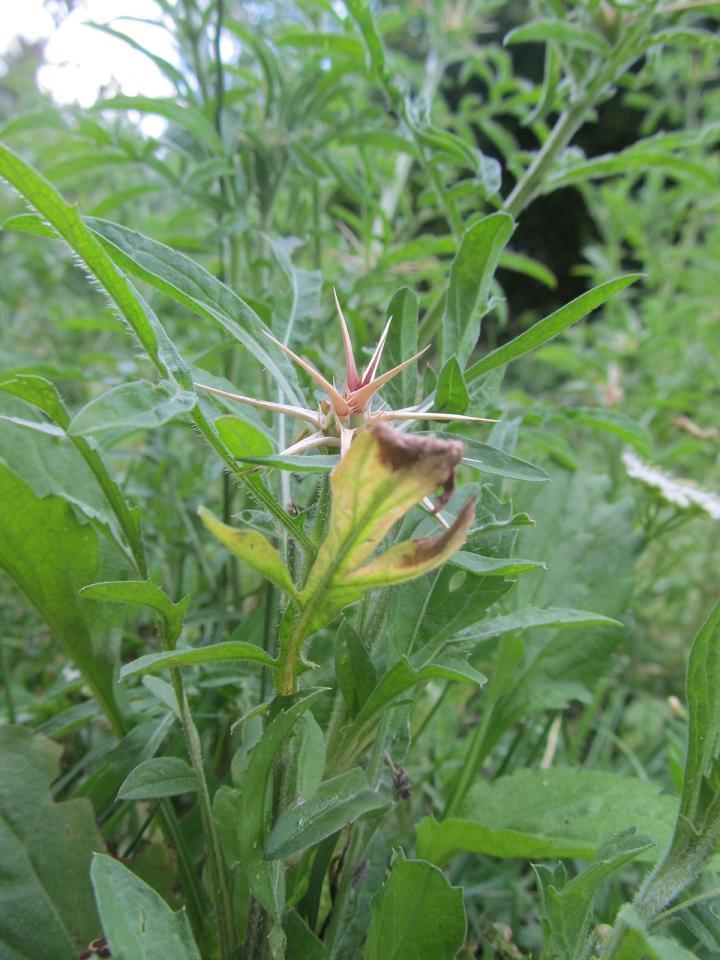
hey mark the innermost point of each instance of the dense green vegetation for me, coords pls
(284, 676)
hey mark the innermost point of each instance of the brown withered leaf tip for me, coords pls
(428, 547)
(401, 450)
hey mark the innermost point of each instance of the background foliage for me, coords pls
(313, 146)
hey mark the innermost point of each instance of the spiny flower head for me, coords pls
(348, 408)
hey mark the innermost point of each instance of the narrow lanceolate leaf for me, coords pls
(266, 878)
(470, 276)
(138, 405)
(567, 906)
(253, 548)
(186, 282)
(417, 915)
(400, 679)
(697, 830)
(702, 769)
(69, 225)
(143, 592)
(530, 618)
(383, 475)
(336, 803)
(72, 228)
(184, 115)
(214, 653)
(491, 460)
(551, 326)
(402, 342)
(561, 31)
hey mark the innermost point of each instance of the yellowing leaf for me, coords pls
(383, 475)
(413, 558)
(253, 548)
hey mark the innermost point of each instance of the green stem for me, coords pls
(571, 119)
(216, 866)
(220, 891)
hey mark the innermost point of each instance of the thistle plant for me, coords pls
(345, 410)
(329, 695)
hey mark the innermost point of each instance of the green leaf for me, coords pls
(302, 303)
(428, 612)
(305, 771)
(114, 765)
(401, 343)
(50, 555)
(639, 942)
(697, 830)
(186, 282)
(612, 421)
(143, 592)
(397, 681)
(470, 275)
(241, 438)
(43, 394)
(568, 907)
(361, 13)
(29, 223)
(253, 548)
(417, 915)
(266, 879)
(550, 326)
(692, 37)
(640, 158)
(71, 227)
(302, 942)
(560, 31)
(571, 814)
(451, 394)
(493, 566)
(174, 75)
(213, 653)
(336, 803)
(529, 618)
(327, 43)
(521, 263)
(380, 478)
(46, 905)
(159, 777)
(184, 115)
(135, 919)
(701, 780)
(354, 670)
(139, 405)
(495, 462)
(317, 463)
